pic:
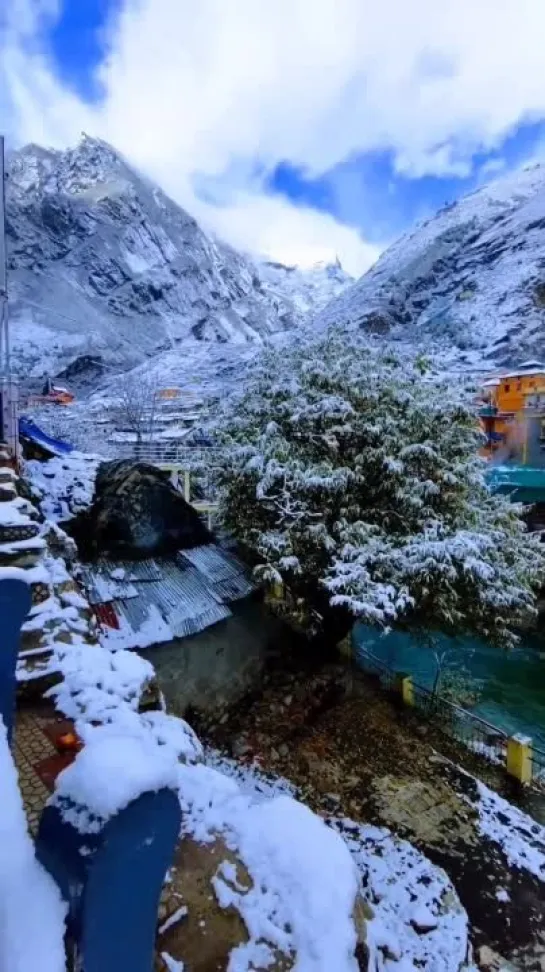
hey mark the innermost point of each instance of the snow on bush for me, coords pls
(353, 477)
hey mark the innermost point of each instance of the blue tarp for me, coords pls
(29, 430)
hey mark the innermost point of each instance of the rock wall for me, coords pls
(214, 669)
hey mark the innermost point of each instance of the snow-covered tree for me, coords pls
(352, 478)
(137, 405)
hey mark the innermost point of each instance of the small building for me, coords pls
(512, 416)
(511, 405)
(197, 616)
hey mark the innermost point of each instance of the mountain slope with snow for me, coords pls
(472, 276)
(309, 290)
(102, 262)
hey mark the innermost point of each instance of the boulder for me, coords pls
(197, 932)
(136, 512)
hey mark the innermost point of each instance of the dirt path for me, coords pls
(353, 751)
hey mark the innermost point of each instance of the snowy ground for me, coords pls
(305, 874)
(31, 910)
(418, 917)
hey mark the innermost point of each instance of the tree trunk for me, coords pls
(337, 624)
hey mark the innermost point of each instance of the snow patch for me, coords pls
(32, 912)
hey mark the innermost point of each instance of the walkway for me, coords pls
(36, 756)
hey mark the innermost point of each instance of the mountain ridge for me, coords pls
(103, 263)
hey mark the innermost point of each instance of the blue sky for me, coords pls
(303, 122)
(366, 191)
(77, 42)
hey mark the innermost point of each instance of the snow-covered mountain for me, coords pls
(103, 263)
(309, 290)
(472, 276)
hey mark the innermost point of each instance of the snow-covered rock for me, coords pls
(472, 276)
(103, 264)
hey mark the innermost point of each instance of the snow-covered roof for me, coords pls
(156, 600)
(491, 383)
(538, 369)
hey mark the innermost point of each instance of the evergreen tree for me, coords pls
(352, 478)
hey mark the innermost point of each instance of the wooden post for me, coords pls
(519, 758)
(187, 485)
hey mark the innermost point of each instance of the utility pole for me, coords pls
(9, 406)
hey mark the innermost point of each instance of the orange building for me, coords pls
(507, 402)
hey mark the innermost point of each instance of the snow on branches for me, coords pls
(353, 476)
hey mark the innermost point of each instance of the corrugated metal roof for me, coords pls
(102, 588)
(228, 576)
(186, 601)
(136, 570)
(185, 594)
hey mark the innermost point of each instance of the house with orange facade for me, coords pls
(512, 415)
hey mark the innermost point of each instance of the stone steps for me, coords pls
(14, 532)
(8, 492)
(23, 553)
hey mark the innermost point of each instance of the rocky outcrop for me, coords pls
(103, 263)
(136, 512)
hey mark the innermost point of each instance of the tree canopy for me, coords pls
(352, 476)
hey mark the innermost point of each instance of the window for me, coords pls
(507, 386)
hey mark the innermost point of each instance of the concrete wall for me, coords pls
(215, 668)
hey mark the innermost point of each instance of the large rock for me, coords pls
(136, 512)
(204, 935)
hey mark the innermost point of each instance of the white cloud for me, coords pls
(199, 88)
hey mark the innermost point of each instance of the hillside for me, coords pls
(102, 262)
(472, 276)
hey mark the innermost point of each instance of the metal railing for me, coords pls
(538, 766)
(478, 735)
(161, 452)
(375, 666)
